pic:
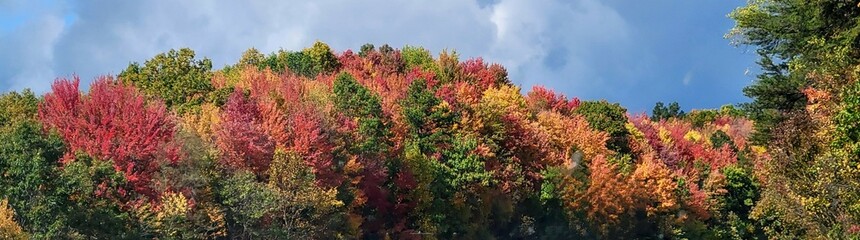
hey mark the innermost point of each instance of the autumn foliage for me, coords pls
(113, 122)
(388, 144)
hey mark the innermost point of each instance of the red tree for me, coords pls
(113, 122)
(241, 138)
(541, 98)
(308, 138)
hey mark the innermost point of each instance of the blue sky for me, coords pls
(632, 52)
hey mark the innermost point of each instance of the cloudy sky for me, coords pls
(633, 52)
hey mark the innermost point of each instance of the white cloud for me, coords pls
(549, 42)
(554, 43)
(27, 53)
(687, 78)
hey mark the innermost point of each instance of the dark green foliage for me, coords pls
(720, 139)
(429, 122)
(610, 118)
(461, 175)
(94, 211)
(463, 169)
(219, 97)
(301, 64)
(365, 49)
(775, 92)
(295, 62)
(385, 49)
(358, 102)
(174, 77)
(662, 112)
(848, 120)
(700, 117)
(742, 193)
(29, 165)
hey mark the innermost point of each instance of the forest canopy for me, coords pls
(399, 143)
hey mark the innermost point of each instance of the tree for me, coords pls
(9, 229)
(252, 57)
(175, 77)
(661, 112)
(324, 61)
(417, 57)
(29, 164)
(603, 197)
(365, 49)
(248, 204)
(655, 197)
(308, 138)
(808, 56)
(289, 205)
(17, 107)
(306, 210)
(115, 123)
(297, 62)
(358, 102)
(572, 137)
(241, 137)
(429, 119)
(540, 98)
(610, 118)
(793, 38)
(97, 209)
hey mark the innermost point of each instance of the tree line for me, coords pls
(388, 143)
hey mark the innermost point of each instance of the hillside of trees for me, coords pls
(388, 143)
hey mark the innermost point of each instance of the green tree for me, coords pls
(793, 38)
(700, 117)
(29, 164)
(662, 112)
(610, 118)
(429, 120)
(252, 57)
(366, 49)
(248, 203)
(17, 107)
(357, 101)
(304, 210)
(94, 211)
(296, 62)
(810, 178)
(323, 59)
(418, 57)
(175, 77)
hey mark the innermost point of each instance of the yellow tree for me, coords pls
(655, 187)
(605, 197)
(570, 134)
(9, 229)
(306, 210)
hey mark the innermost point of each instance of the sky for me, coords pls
(632, 52)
